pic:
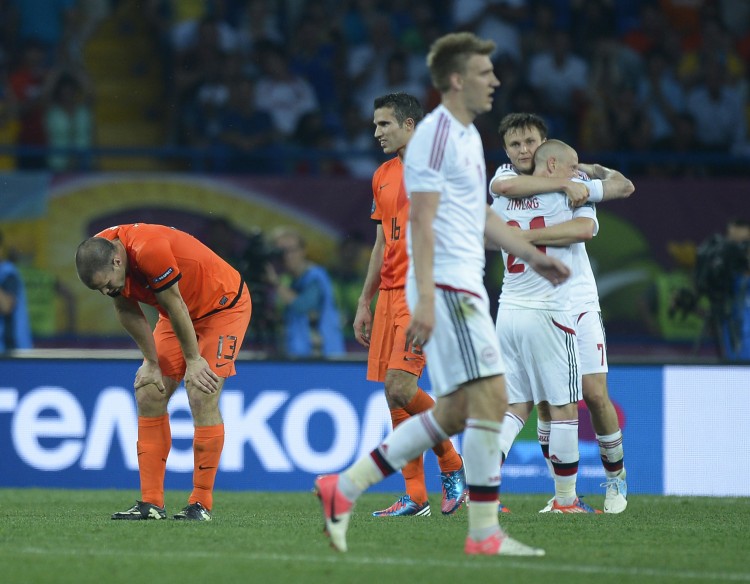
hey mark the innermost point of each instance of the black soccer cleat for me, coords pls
(141, 511)
(194, 512)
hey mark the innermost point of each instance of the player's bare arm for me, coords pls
(132, 319)
(363, 318)
(616, 185)
(498, 235)
(580, 229)
(527, 185)
(424, 207)
(198, 374)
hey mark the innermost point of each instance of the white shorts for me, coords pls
(592, 342)
(463, 346)
(542, 356)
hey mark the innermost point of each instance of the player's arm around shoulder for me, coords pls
(615, 184)
(498, 235)
(576, 230)
(522, 185)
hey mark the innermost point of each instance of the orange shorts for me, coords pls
(220, 337)
(388, 348)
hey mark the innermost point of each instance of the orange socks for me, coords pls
(448, 458)
(154, 443)
(208, 443)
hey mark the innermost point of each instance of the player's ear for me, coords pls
(456, 80)
(409, 123)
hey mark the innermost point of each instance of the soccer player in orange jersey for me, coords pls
(390, 360)
(204, 311)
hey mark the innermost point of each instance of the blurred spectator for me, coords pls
(246, 134)
(718, 111)
(662, 97)
(317, 57)
(359, 19)
(590, 22)
(538, 39)
(714, 48)
(683, 144)
(202, 116)
(258, 23)
(15, 329)
(317, 137)
(629, 126)
(735, 14)
(281, 93)
(191, 17)
(29, 83)
(613, 64)
(366, 58)
(69, 122)
(45, 23)
(615, 122)
(312, 323)
(8, 118)
(647, 34)
(561, 79)
(196, 66)
(498, 20)
(355, 142)
(394, 77)
(684, 16)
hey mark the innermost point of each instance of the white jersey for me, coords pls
(583, 291)
(522, 286)
(582, 284)
(447, 157)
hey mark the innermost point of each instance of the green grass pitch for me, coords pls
(61, 536)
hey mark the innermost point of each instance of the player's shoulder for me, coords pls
(507, 168)
(389, 166)
(505, 171)
(438, 120)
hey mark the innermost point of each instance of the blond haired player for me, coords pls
(449, 219)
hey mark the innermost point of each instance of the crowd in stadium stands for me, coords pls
(246, 77)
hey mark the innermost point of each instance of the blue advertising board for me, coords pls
(73, 424)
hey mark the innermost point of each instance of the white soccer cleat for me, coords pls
(616, 497)
(337, 510)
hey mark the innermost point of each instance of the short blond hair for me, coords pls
(450, 53)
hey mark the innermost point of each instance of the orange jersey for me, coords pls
(159, 256)
(390, 207)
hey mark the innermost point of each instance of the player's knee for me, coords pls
(399, 392)
(596, 398)
(398, 397)
(150, 400)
